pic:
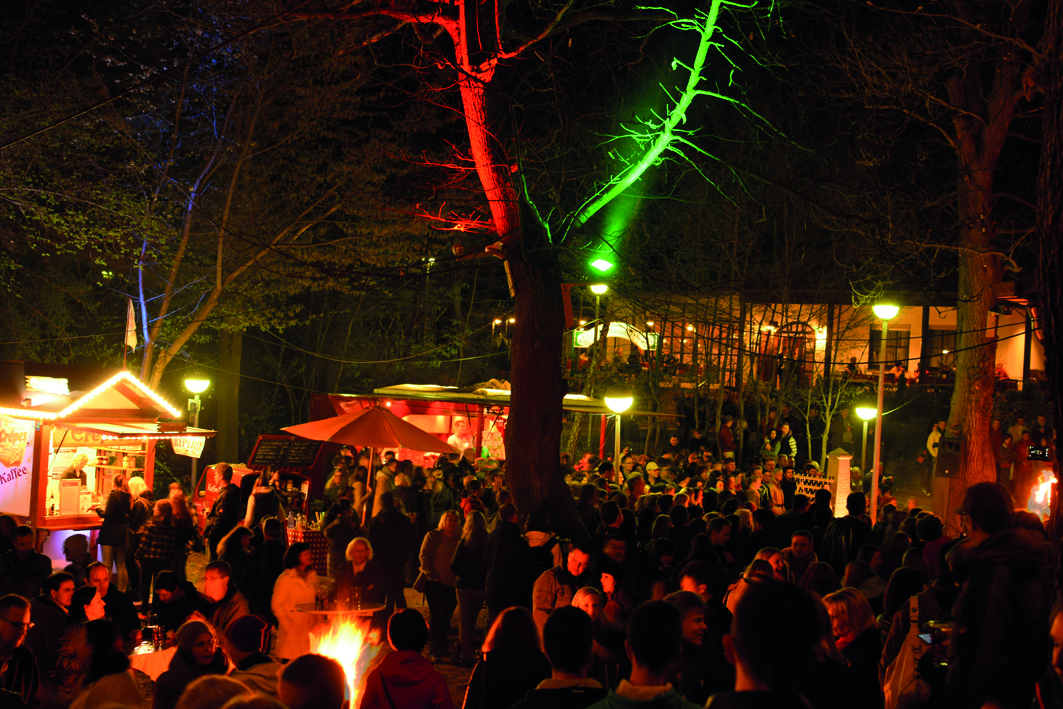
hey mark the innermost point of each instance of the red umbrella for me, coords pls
(375, 427)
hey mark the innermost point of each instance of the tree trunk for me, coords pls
(1050, 220)
(972, 398)
(230, 351)
(533, 432)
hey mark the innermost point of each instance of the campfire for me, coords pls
(350, 642)
(1041, 498)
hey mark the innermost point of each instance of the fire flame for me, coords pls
(350, 643)
(1041, 497)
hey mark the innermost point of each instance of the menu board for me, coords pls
(303, 453)
(271, 451)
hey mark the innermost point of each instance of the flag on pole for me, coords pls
(131, 326)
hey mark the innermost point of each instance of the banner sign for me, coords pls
(191, 446)
(16, 465)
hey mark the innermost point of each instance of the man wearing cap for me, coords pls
(997, 651)
(727, 440)
(247, 639)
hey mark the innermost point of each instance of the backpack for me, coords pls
(904, 687)
(542, 558)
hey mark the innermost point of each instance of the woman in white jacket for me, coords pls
(298, 584)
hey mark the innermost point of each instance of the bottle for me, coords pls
(291, 520)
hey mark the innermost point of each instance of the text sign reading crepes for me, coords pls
(16, 465)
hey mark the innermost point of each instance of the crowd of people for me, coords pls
(674, 582)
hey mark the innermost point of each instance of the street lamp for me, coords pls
(618, 402)
(866, 413)
(884, 312)
(197, 387)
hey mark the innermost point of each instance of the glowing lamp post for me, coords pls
(885, 313)
(618, 402)
(197, 387)
(865, 413)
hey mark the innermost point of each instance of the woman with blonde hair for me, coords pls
(468, 568)
(139, 516)
(857, 637)
(186, 522)
(437, 550)
(360, 572)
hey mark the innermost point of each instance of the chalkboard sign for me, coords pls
(271, 450)
(303, 453)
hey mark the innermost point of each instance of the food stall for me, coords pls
(65, 431)
(469, 417)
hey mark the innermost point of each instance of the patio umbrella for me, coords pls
(375, 427)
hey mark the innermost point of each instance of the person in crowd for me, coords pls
(772, 660)
(903, 584)
(468, 567)
(175, 601)
(654, 641)
(799, 556)
(545, 547)
(406, 678)
(248, 639)
(700, 666)
(198, 654)
(225, 512)
(262, 567)
(156, 548)
(392, 534)
(186, 523)
(112, 534)
(234, 549)
(336, 481)
(820, 579)
(568, 642)
(512, 664)
(996, 654)
(108, 681)
(76, 471)
(846, 535)
(859, 640)
(297, 585)
(932, 531)
(361, 573)
(759, 571)
(764, 535)
(119, 608)
(265, 501)
(436, 552)
(340, 528)
(18, 668)
(212, 691)
(620, 596)
(50, 614)
(139, 516)
(894, 550)
(226, 602)
(658, 572)
(312, 682)
(871, 586)
(555, 588)
(506, 564)
(76, 551)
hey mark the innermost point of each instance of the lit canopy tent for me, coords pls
(375, 427)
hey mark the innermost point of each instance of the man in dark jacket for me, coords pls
(18, 669)
(506, 563)
(391, 534)
(23, 570)
(1001, 616)
(174, 601)
(227, 603)
(48, 612)
(264, 564)
(225, 512)
(119, 608)
(845, 535)
(568, 640)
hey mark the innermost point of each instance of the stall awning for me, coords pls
(141, 431)
(122, 396)
(489, 397)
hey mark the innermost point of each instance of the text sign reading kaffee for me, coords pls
(16, 465)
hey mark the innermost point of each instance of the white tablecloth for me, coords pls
(153, 664)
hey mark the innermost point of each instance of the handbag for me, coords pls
(904, 688)
(419, 582)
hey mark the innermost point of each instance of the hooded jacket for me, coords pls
(182, 671)
(1001, 618)
(629, 696)
(412, 683)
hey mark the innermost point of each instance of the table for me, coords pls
(365, 610)
(318, 546)
(152, 664)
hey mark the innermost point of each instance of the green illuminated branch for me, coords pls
(664, 131)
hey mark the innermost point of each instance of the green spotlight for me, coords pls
(602, 265)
